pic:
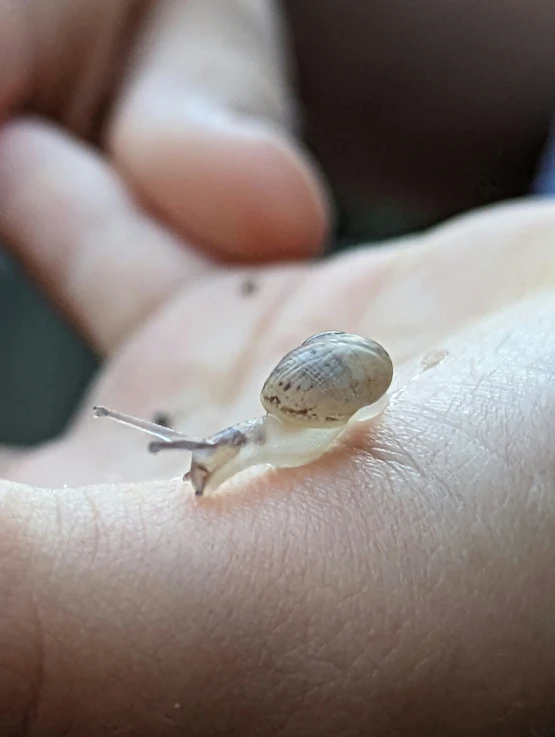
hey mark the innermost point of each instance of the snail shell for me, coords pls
(328, 378)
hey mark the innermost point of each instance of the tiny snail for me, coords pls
(309, 398)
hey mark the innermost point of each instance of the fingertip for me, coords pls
(284, 203)
(262, 199)
(236, 188)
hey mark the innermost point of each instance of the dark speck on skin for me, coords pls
(162, 419)
(249, 286)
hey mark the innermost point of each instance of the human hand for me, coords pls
(189, 106)
(334, 597)
(402, 577)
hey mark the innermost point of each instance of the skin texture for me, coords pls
(401, 584)
(381, 590)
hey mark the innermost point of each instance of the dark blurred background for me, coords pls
(44, 365)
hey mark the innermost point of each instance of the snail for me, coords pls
(309, 398)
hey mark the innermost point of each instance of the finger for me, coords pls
(203, 131)
(69, 219)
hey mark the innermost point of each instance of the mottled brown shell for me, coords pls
(328, 378)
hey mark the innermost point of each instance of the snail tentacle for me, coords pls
(164, 433)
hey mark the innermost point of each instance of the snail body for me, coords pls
(309, 398)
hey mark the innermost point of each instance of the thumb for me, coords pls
(204, 131)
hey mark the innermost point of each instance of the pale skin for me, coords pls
(397, 579)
